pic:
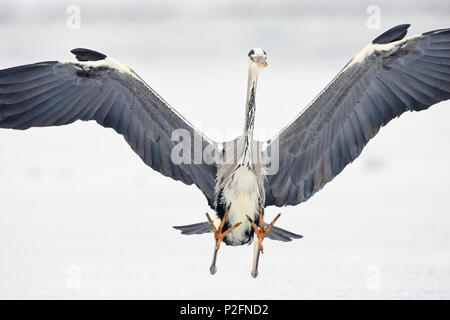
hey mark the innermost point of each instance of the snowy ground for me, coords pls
(82, 217)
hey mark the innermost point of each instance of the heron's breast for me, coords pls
(243, 193)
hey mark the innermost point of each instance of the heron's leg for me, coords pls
(219, 235)
(260, 230)
(213, 268)
(255, 257)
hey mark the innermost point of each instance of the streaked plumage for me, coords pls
(388, 77)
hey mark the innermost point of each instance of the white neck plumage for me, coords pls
(250, 108)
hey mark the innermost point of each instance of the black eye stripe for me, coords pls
(265, 53)
(252, 52)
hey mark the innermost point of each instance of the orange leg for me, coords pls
(219, 236)
(260, 233)
(261, 230)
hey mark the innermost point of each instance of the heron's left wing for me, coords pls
(388, 77)
(101, 89)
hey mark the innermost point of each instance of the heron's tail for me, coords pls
(203, 227)
(196, 228)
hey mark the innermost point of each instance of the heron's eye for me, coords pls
(251, 58)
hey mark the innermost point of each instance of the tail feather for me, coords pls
(282, 235)
(196, 228)
(274, 234)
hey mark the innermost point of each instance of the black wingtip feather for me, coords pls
(393, 34)
(83, 54)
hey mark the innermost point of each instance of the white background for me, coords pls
(81, 216)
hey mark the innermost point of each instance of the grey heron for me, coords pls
(391, 75)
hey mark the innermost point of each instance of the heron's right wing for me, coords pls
(99, 88)
(387, 78)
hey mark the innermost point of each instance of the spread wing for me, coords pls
(99, 88)
(388, 77)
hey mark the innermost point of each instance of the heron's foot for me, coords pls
(219, 236)
(260, 230)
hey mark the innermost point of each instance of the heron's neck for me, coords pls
(250, 108)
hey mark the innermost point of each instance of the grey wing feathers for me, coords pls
(392, 78)
(275, 233)
(54, 93)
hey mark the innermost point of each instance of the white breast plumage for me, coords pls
(242, 191)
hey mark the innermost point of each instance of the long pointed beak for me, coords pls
(261, 62)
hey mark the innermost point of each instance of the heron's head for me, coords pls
(257, 59)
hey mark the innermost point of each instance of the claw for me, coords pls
(260, 230)
(218, 234)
